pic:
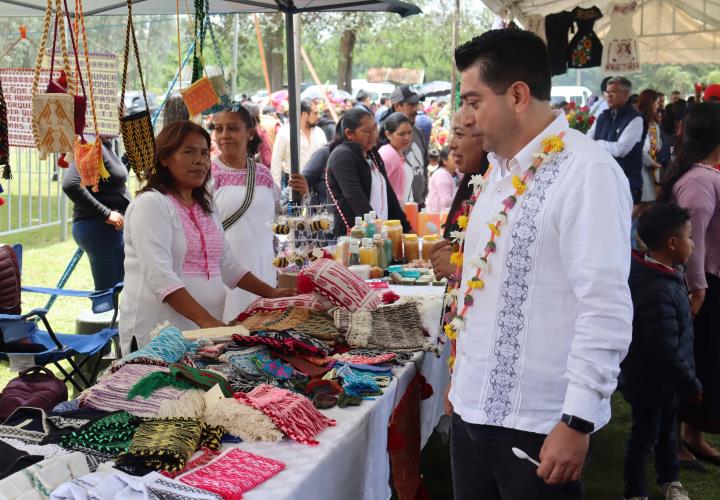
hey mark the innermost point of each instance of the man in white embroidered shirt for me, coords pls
(539, 353)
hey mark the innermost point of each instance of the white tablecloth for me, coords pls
(351, 461)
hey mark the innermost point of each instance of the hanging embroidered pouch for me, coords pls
(200, 96)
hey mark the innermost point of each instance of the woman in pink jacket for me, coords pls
(443, 184)
(396, 135)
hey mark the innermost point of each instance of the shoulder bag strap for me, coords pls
(130, 36)
(249, 195)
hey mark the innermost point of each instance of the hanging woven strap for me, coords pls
(38, 63)
(249, 195)
(74, 46)
(4, 138)
(130, 35)
(80, 20)
(71, 89)
(216, 46)
(199, 29)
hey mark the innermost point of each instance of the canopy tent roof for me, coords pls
(141, 7)
(670, 31)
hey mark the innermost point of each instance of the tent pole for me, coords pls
(293, 101)
(455, 36)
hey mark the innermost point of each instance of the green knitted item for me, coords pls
(204, 379)
(154, 381)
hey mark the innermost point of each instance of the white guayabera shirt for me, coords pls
(548, 332)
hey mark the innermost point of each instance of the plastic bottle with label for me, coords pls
(368, 253)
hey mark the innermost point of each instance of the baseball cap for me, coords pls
(712, 93)
(404, 94)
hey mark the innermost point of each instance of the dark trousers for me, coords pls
(105, 250)
(484, 466)
(654, 425)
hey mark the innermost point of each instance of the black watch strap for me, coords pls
(578, 424)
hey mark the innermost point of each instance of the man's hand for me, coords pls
(446, 401)
(440, 258)
(562, 456)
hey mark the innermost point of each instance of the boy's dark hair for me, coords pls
(508, 56)
(661, 222)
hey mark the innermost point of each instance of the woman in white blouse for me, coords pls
(177, 262)
(247, 214)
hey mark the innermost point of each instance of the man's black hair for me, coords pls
(306, 106)
(604, 83)
(507, 56)
(661, 222)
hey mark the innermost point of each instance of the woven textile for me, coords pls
(276, 320)
(233, 473)
(111, 434)
(391, 327)
(367, 360)
(310, 301)
(168, 443)
(168, 346)
(4, 138)
(242, 360)
(110, 393)
(341, 286)
(203, 379)
(401, 357)
(357, 383)
(288, 341)
(294, 414)
(238, 418)
(319, 326)
(241, 381)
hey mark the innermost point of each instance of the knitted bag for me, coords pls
(310, 301)
(111, 392)
(239, 419)
(276, 320)
(136, 129)
(111, 434)
(287, 341)
(341, 286)
(389, 327)
(294, 414)
(168, 346)
(53, 114)
(200, 96)
(233, 473)
(167, 443)
(320, 326)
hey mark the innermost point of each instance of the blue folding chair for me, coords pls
(20, 333)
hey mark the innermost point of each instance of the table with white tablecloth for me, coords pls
(352, 461)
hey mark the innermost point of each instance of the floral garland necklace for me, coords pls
(551, 147)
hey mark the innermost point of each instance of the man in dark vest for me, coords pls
(620, 130)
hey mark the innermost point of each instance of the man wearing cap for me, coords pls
(405, 101)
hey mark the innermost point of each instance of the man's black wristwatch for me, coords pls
(578, 424)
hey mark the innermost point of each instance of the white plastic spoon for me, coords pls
(524, 456)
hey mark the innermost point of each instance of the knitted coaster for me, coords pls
(294, 414)
(111, 393)
(276, 320)
(233, 473)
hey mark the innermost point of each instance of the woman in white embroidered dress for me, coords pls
(250, 236)
(176, 256)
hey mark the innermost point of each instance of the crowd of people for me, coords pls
(603, 250)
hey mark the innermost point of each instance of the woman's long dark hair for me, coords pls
(463, 193)
(391, 124)
(350, 121)
(645, 104)
(167, 142)
(701, 136)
